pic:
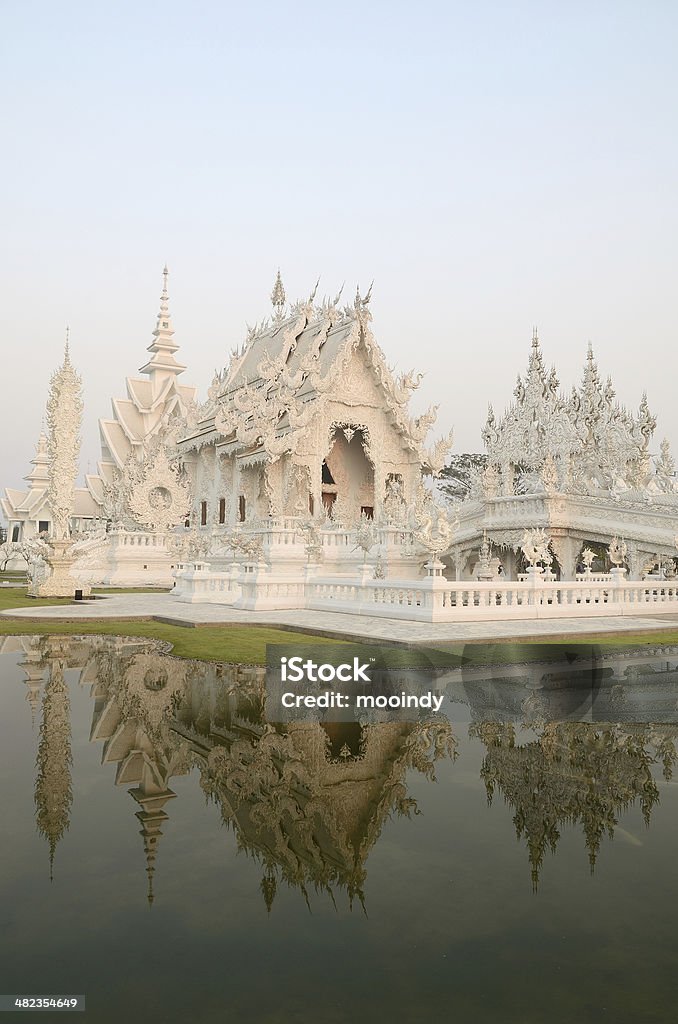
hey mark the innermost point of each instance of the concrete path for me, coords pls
(165, 608)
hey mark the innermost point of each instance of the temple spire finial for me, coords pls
(67, 351)
(535, 338)
(278, 297)
(163, 363)
(164, 298)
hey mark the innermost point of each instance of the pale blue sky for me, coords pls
(490, 165)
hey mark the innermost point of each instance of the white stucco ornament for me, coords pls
(535, 547)
(434, 528)
(617, 550)
(64, 415)
(161, 498)
(587, 557)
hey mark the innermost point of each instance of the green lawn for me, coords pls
(242, 644)
(247, 644)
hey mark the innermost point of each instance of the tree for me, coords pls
(456, 478)
(6, 552)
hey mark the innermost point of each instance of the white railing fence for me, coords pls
(432, 599)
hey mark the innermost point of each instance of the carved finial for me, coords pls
(164, 298)
(268, 888)
(67, 352)
(337, 297)
(535, 338)
(149, 892)
(367, 298)
(278, 297)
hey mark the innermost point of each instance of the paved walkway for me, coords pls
(165, 608)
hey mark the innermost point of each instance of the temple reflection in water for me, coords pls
(307, 800)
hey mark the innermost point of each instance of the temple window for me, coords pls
(327, 476)
(311, 504)
(43, 526)
(15, 533)
(222, 510)
(241, 508)
(367, 510)
(203, 513)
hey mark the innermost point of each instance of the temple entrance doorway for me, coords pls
(348, 475)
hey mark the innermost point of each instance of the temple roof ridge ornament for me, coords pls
(585, 442)
(278, 297)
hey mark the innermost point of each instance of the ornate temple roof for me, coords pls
(150, 404)
(266, 395)
(31, 503)
(587, 439)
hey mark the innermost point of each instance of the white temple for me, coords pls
(578, 467)
(300, 483)
(27, 511)
(152, 407)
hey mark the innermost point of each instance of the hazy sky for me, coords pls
(491, 165)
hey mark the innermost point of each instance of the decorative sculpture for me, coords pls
(617, 551)
(587, 557)
(484, 568)
(434, 530)
(64, 415)
(584, 443)
(159, 496)
(535, 548)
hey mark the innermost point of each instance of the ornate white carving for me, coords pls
(583, 443)
(159, 496)
(64, 415)
(587, 557)
(666, 468)
(535, 547)
(434, 529)
(617, 551)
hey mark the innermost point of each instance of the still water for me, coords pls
(173, 856)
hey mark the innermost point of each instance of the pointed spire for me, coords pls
(67, 351)
(163, 326)
(164, 298)
(40, 461)
(163, 364)
(268, 887)
(278, 297)
(151, 817)
(591, 383)
(53, 788)
(536, 362)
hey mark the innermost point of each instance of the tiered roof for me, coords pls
(266, 395)
(150, 403)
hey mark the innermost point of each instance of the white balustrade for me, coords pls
(431, 599)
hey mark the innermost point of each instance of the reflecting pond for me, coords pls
(176, 857)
